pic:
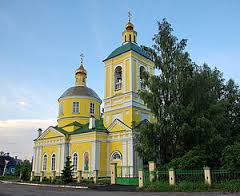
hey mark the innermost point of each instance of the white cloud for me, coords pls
(16, 136)
(23, 103)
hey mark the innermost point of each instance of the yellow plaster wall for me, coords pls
(103, 157)
(80, 149)
(116, 146)
(84, 114)
(49, 150)
(52, 134)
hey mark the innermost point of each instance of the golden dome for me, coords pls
(129, 26)
(81, 69)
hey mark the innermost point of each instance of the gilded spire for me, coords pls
(81, 73)
(129, 35)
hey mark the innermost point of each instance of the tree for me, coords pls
(67, 171)
(24, 170)
(231, 157)
(192, 105)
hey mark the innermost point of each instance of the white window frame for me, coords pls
(142, 85)
(44, 166)
(76, 107)
(118, 84)
(75, 161)
(92, 108)
(61, 109)
(53, 162)
(116, 153)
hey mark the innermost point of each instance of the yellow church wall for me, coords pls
(107, 83)
(49, 150)
(126, 114)
(134, 64)
(127, 75)
(84, 111)
(103, 159)
(52, 134)
(116, 146)
(80, 149)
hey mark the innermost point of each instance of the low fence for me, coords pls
(224, 175)
(126, 175)
(189, 175)
(174, 177)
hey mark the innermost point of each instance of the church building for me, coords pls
(94, 140)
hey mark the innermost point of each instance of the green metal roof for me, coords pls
(99, 127)
(127, 47)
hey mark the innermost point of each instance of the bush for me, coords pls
(9, 177)
(228, 186)
(186, 186)
(231, 157)
(159, 187)
(195, 158)
(87, 181)
(104, 181)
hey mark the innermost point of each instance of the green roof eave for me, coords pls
(128, 47)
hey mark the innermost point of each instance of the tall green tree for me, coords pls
(194, 108)
(67, 172)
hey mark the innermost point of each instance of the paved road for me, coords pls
(25, 190)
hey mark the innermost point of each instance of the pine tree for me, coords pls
(67, 171)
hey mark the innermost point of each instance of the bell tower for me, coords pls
(123, 68)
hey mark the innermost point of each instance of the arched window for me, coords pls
(130, 37)
(75, 161)
(134, 38)
(86, 161)
(125, 38)
(116, 156)
(53, 166)
(118, 78)
(44, 163)
(142, 70)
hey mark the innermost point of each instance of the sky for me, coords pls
(41, 43)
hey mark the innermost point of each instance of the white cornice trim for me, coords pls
(75, 97)
(117, 121)
(47, 131)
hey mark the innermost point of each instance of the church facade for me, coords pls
(94, 140)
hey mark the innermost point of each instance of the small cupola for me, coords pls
(129, 35)
(81, 74)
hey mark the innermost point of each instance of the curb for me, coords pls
(45, 185)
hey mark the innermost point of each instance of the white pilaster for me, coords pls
(130, 152)
(93, 159)
(58, 163)
(131, 73)
(34, 159)
(124, 153)
(108, 156)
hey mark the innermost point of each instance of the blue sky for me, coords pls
(40, 44)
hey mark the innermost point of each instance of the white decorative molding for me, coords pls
(117, 116)
(80, 96)
(47, 131)
(117, 121)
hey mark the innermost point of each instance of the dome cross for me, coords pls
(81, 58)
(129, 16)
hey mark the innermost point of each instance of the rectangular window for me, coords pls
(60, 109)
(92, 109)
(75, 107)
